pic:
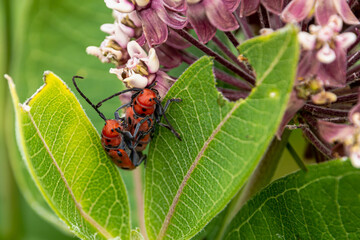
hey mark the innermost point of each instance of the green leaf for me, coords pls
(322, 203)
(136, 235)
(47, 34)
(189, 182)
(64, 156)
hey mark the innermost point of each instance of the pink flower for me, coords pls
(298, 10)
(139, 69)
(248, 7)
(155, 16)
(347, 136)
(205, 16)
(324, 52)
(113, 48)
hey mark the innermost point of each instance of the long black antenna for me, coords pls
(117, 94)
(86, 99)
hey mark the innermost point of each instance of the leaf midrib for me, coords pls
(88, 218)
(199, 156)
(191, 169)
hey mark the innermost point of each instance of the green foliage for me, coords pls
(64, 156)
(322, 203)
(189, 182)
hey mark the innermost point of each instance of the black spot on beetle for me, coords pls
(119, 153)
(108, 140)
(144, 109)
(112, 130)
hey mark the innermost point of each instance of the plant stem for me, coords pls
(230, 54)
(314, 109)
(296, 157)
(347, 98)
(189, 59)
(232, 39)
(244, 26)
(310, 135)
(217, 57)
(264, 21)
(356, 31)
(353, 70)
(231, 80)
(353, 58)
(261, 177)
(323, 147)
(139, 200)
(232, 94)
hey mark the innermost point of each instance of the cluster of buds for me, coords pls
(150, 37)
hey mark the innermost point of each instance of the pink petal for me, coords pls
(274, 6)
(345, 12)
(123, 6)
(152, 62)
(334, 74)
(135, 50)
(168, 56)
(326, 54)
(176, 41)
(198, 20)
(126, 97)
(248, 7)
(231, 5)
(308, 65)
(163, 83)
(355, 109)
(324, 9)
(178, 6)
(141, 40)
(219, 16)
(297, 10)
(172, 19)
(345, 40)
(335, 23)
(332, 132)
(306, 40)
(155, 30)
(325, 34)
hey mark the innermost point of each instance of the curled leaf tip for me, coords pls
(10, 80)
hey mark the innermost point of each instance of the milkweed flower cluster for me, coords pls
(150, 38)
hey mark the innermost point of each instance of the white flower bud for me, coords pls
(306, 40)
(326, 54)
(153, 61)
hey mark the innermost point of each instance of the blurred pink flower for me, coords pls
(324, 52)
(248, 7)
(205, 16)
(155, 16)
(298, 10)
(347, 136)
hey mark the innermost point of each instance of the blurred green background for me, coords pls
(39, 35)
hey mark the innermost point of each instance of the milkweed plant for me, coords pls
(246, 75)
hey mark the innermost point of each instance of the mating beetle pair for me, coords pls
(124, 138)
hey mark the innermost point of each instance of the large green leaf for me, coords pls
(64, 156)
(189, 182)
(322, 203)
(47, 34)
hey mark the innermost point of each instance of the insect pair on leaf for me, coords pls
(124, 138)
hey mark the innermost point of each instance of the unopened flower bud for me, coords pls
(266, 31)
(324, 98)
(326, 54)
(142, 3)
